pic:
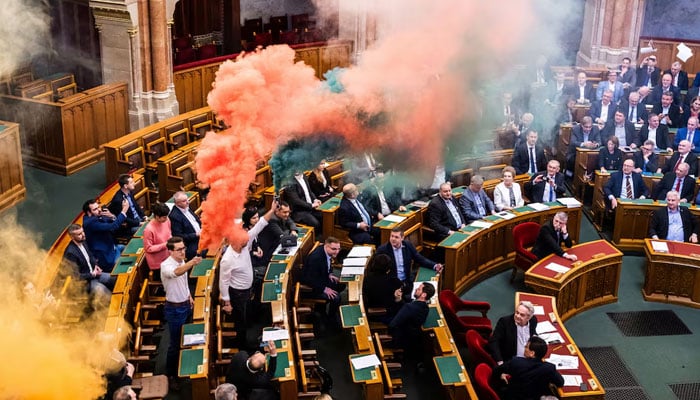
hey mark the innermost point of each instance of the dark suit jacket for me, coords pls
(440, 218)
(410, 254)
(349, 217)
(468, 205)
(115, 207)
(98, 235)
(682, 79)
(661, 138)
(75, 262)
(547, 242)
(658, 91)
(269, 238)
(315, 272)
(614, 185)
(245, 380)
(630, 133)
(666, 185)
(180, 226)
(641, 111)
(652, 164)
(659, 223)
(691, 159)
(503, 340)
(682, 134)
(643, 76)
(674, 113)
(538, 189)
(610, 161)
(596, 108)
(577, 139)
(529, 378)
(589, 92)
(294, 195)
(370, 199)
(521, 158)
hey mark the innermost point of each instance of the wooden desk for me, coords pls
(673, 277)
(599, 201)
(632, 220)
(563, 143)
(370, 378)
(569, 348)
(592, 281)
(194, 364)
(473, 255)
(412, 221)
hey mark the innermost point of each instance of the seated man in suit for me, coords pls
(79, 261)
(691, 134)
(403, 254)
(353, 216)
(585, 135)
(529, 377)
(602, 110)
(279, 225)
(474, 203)
(666, 86)
(548, 185)
(645, 160)
(674, 222)
(303, 202)
(318, 274)
(655, 132)
(635, 111)
(677, 181)
(528, 157)
(134, 215)
(380, 200)
(678, 76)
(625, 184)
(443, 213)
(185, 224)
(623, 129)
(512, 333)
(669, 113)
(683, 155)
(611, 84)
(583, 91)
(551, 236)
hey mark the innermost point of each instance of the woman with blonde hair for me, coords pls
(507, 194)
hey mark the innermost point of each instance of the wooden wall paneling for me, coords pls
(311, 57)
(12, 189)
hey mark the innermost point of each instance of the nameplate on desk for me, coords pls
(598, 255)
(128, 271)
(592, 384)
(576, 264)
(361, 321)
(572, 349)
(461, 377)
(200, 369)
(659, 247)
(287, 372)
(373, 374)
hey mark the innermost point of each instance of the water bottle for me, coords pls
(278, 287)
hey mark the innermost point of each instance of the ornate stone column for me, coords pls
(610, 32)
(353, 22)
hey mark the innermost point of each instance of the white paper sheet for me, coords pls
(360, 251)
(572, 380)
(544, 327)
(563, 362)
(355, 262)
(661, 247)
(275, 334)
(193, 338)
(506, 215)
(394, 218)
(569, 202)
(557, 268)
(552, 337)
(367, 361)
(538, 206)
(352, 271)
(539, 310)
(481, 224)
(290, 250)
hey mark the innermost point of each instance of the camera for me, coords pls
(546, 178)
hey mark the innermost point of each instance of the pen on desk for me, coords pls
(557, 348)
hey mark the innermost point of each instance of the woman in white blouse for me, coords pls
(507, 194)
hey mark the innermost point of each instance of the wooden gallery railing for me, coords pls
(66, 136)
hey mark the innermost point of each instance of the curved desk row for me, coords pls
(594, 389)
(590, 281)
(672, 273)
(473, 254)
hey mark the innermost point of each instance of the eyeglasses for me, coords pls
(179, 249)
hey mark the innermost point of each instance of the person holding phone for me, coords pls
(250, 376)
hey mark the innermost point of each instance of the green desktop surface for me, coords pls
(202, 268)
(432, 320)
(274, 269)
(190, 360)
(450, 369)
(135, 246)
(351, 315)
(454, 239)
(123, 264)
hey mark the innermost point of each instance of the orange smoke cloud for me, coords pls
(418, 78)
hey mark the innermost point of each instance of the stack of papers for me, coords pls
(539, 310)
(360, 251)
(352, 271)
(558, 268)
(538, 206)
(275, 334)
(659, 247)
(544, 327)
(481, 224)
(572, 380)
(367, 361)
(569, 202)
(563, 362)
(551, 338)
(506, 215)
(355, 262)
(394, 218)
(193, 339)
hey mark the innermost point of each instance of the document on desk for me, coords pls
(506, 215)
(659, 247)
(290, 251)
(394, 218)
(347, 271)
(551, 338)
(360, 251)
(275, 334)
(539, 310)
(538, 206)
(355, 262)
(544, 327)
(367, 361)
(572, 380)
(563, 362)
(569, 202)
(481, 224)
(193, 339)
(558, 268)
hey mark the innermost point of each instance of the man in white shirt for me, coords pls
(84, 265)
(236, 276)
(303, 202)
(178, 301)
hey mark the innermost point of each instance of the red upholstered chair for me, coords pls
(206, 51)
(186, 55)
(482, 376)
(524, 237)
(476, 345)
(263, 39)
(459, 324)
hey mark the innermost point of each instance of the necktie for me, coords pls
(533, 168)
(680, 160)
(628, 187)
(512, 196)
(479, 205)
(551, 190)
(134, 213)
(678, 185)
(363, 212)
(632, 109)
(690, 137)
(507, 112)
